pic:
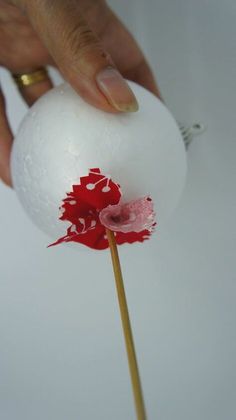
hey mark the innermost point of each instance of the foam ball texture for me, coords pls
(62, 137)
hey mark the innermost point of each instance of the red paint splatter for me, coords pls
(97, 198)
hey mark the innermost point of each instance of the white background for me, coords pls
(61, 347)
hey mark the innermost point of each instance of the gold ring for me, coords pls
(28, 79)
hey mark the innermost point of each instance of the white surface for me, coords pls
(62, 138)
(61, 353)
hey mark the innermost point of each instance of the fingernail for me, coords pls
(116, 90)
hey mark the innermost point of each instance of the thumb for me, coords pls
(79, 54)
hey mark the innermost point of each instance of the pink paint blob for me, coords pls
(135, 216)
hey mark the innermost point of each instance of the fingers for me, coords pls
(142, 74)
(5, 144)
(79, 55)
(129, 57)
(30, 95)
(33, 92)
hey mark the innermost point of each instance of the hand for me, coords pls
(88, 44)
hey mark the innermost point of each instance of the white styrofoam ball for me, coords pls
(62, 137)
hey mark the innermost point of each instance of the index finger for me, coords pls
(78, 53)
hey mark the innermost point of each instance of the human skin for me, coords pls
(88, 44)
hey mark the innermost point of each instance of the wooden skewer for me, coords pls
(132, 360)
